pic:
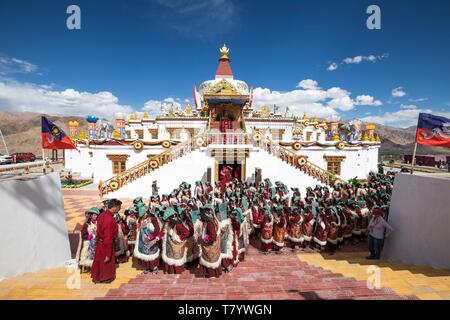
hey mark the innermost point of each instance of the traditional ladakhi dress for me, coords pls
(364, 219)
(348, 228)
(267, 233)
(244, 232)
(132, 226)
(210, 259)
(174, 247)
(279, 232)
(88, 235)
(308, 226)
(146, 250)
(121, 244)
(294, 232)
(228, 242)
(321, 234)
(333, 232)
(192, 248)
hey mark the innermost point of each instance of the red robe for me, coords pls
(107, 231)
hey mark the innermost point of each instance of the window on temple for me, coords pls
(140, 133)
(308, 136)
(318, 136)
(334, 164)
(119, 163)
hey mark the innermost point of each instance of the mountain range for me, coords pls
(22, 133)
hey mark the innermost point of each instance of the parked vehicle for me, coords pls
(5, 159)
(23, 157)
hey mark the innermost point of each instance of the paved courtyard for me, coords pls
(284, 276)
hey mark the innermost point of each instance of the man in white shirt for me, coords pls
(378, 230)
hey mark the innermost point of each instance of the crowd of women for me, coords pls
(210, 227)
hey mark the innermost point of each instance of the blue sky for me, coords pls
(139, 55)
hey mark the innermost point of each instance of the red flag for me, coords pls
(433, 130)
(53, 137)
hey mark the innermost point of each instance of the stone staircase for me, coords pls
(259, 277)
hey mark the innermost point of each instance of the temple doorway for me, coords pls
(229, 171)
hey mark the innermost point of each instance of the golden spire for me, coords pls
(224, 52)
(305, 117)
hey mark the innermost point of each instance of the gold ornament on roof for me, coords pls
(378, 138)
(73, 123)
(314, 119)
(305, 117)
(370, 127)
(336, 137)
(82, 135)
(224, 52)
(116, 134)
(188, 110)
(133, 117)
(145, 116)
(223, 88)
(365, 137)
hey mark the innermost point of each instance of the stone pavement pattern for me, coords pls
(284, 276)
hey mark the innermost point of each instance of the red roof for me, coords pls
(224, 68)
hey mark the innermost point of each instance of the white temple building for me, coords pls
(222, 129)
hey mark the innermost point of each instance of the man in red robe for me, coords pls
(104, 264)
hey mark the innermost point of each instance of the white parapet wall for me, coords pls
(33, 232)
(190, 168)
(277, 170)
(420, 216)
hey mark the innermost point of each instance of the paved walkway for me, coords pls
(283, 276)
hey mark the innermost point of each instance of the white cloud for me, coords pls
(20, 97)
(332, 67)
(398, 92)
(357, 60)
(366, 100)
(408, 106)
(14, 65)
(308, 84)
(311, 99)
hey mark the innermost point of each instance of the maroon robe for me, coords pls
(107, 231)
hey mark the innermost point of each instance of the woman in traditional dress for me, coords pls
(131, 219)
(267, 231)
(147, 250)
(332, 236)
(210, 259)
(294, 229)
(174, 243)
(121, 243)
(279, 229)
(88, 238)
(227, 237)
(322, 228)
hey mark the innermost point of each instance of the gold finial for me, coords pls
(145, 116)
(336, 137)
(314, 119)
(116, 134)
(366, 137)
(224, 52)
(305, 117)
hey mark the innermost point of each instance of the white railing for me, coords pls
(229, 138)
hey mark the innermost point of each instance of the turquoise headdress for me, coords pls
(168, 213)
(142, 210)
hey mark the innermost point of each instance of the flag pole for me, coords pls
(413, 161)
(43, 161)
